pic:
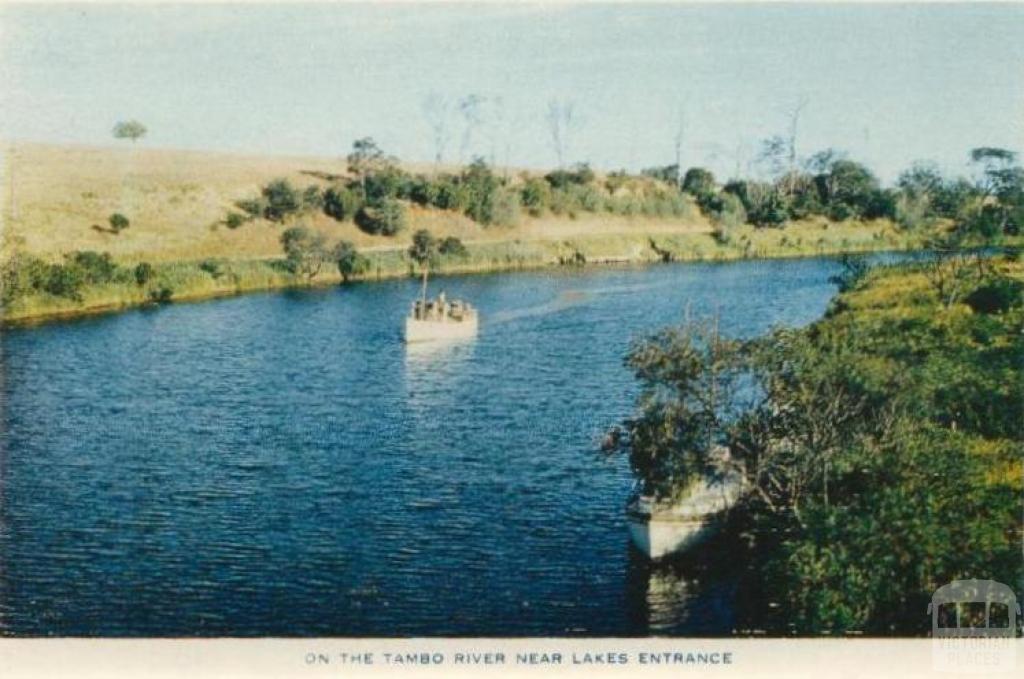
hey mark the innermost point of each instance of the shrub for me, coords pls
(535, 196)
(235, 220)
(212, 267)
(118, 222)
(503, 208)
(667, 173)
(616, 180)
(143, 273)
(312, 198)
(341, 203)
(996, 297)
(448, 194)
(388, 182)
(161, 294)
(21, 275)
(579, 174)
(588, 197)
(64, 281)
(699, 181)
(281, 200)
(93, 267)
(350, 262)
(305, 250)
(254, 207)
(729, 215)
(386, 219)
(452, 247)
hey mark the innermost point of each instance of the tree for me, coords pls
(349, 260)
(143, 273)
(118, 222)
(424, 252)
(677, 145)
(562, 121)
(367, 158)
(699, 182)
(384, 219)
(281, 200)
(341, 203)
(470, 108)
(305, 250)
(690, 377)
(452, 247)
(132, 130)
(437, 111)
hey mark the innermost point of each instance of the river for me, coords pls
(282, 464)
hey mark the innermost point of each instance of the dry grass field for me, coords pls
(54, 196)
(57, 200)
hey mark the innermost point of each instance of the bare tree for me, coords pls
(437, 110)
(791, 155)
(562, 121)
(677, 144)
(470, 108)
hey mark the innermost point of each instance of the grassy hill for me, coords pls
(177, 201)
(57, 201)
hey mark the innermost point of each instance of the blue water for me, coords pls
(281, 464)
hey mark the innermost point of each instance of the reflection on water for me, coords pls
(688, 594)
(283, 464)
(430, 368)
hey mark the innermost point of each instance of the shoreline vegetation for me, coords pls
(217, 278)
(95, 230)
(880, 445)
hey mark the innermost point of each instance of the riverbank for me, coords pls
(212, 278)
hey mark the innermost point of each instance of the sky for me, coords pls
(888, 84)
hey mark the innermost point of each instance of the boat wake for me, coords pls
(567, 299)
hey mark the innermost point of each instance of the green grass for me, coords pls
(188, 281)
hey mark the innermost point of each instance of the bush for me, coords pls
(728, 216)
(118, 222)
(281, 200)
(350, 262)
(21, 275)
(254, 207)
(143, 273)
(93, 268)
(161, 294)
(64, 281)
(235, 220)
(535, 196)
(699, 181)
(212, 267)
(305, 250)
(341, 203)
(452, 247)
(580, 174)
(996, 297)
(312, 198)
(386, 219)
(448, 194)
(388, 182)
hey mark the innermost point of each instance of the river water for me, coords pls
(282, 464)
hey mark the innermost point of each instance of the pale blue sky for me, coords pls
(889, 84)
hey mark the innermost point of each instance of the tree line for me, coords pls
(377, 192)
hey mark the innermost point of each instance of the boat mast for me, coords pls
(423, 292)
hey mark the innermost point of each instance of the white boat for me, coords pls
(439, 319)
(659, 528)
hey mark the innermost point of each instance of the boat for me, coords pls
(660, 527)
(440, 319)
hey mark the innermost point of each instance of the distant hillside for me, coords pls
(177, 200)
